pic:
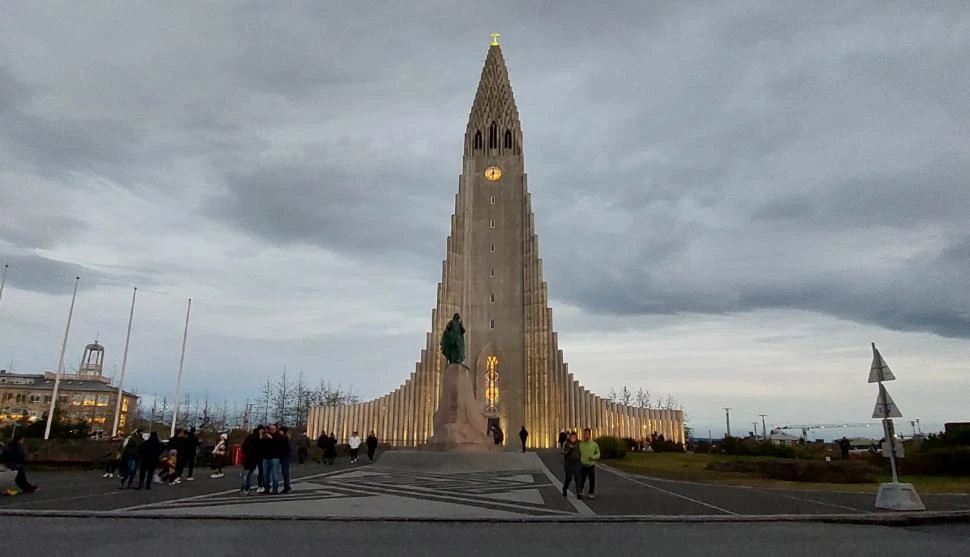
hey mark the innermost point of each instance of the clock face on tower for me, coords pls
(493, 173)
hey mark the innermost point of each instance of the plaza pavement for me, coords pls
(409, 485)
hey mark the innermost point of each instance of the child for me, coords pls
(169, 461)
(112, 462)
(219, 457)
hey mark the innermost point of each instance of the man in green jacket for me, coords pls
(589, 452)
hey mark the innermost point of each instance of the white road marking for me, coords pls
(678, 495)
(581, 507)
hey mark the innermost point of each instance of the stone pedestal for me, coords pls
(459, 424)
(898, 497)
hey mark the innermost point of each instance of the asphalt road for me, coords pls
(231, 538)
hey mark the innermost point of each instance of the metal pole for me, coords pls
(178, 382)
(764, 428)
(755, 424)
(60, 364)
(124, 363)
(888, 429)
(918, 428)
(727, 419)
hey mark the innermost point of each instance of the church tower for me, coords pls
(492, 276)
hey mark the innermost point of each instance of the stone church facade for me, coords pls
(492, 276)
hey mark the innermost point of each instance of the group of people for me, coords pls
(267, 452)
(579, 461)
(148, 459)
(327, 442)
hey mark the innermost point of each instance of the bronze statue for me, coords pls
(453, 341)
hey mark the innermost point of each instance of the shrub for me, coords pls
(666, 447)
(702, 447)
(612, 447)
(755, 447)
(946, 461)
(844, 472)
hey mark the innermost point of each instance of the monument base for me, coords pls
(898, 497)
(459, 424)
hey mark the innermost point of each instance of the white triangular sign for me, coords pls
(887, 410)
(879, 371)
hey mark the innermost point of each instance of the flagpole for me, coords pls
(178, 382)
(60, 364)
(124, 363)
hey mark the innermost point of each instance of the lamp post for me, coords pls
(178, 382)
(124, 364)
(727, 420)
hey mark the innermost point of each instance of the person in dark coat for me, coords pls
(269, 450)
(285, 451)
(15, 458)
(523, 436)
(149, 453)
(177, 444)
(562, 438)
(329, 445)
(252, 459)
(129, 459)
(192, 443)
(302, 448)
(371, 446)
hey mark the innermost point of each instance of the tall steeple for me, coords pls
(492, 275)
(493, 124)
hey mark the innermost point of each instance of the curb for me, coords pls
(872, 519)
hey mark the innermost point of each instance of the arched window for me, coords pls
(508, 139)
(493, 136)
(491, 381)
(478, 139)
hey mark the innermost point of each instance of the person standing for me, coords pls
(844, 446)
(218, 457)
(330, 449)
(285, 448)
(177, 444)
(192, 443)
(562, 438)
(371, 445)
(269, 449)
(15, 458)
(523, 436)
(149, 453)
(589, 454)
(129, 458)
(572, 464)
(251, 459)
(302, 448)
(354, 443)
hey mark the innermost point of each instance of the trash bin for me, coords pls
(236, 456)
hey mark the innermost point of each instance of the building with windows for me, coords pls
(492, 276)
(86, 395)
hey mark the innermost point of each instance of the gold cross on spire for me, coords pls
(495, 37)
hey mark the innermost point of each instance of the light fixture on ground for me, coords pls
(892, 496)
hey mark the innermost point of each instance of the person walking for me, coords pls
(285, 447)
(219, 457)
(129, 458)
(15, 458)
(330, 450)
(191, 445)
(523, 436)
(251, 460)
(572, 464)
(302, 448)
(499, 435)
(149, 454)
(589, 454)
(371, 445)
(354, 443)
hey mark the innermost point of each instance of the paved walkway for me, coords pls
(416, 484)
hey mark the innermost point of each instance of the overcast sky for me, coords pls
(733, 199)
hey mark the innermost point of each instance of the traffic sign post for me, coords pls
(893, 496)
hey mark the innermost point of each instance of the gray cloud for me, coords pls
(683, 158)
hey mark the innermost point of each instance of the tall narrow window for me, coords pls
(493, 136)
(491, 200)
(491, 224)
(491, 272)
(508, 140)
(492, 249)
(491, 324)
(478, 139)
(491, 298)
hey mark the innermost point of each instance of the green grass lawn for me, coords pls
(692, 467)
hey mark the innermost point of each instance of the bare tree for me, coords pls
(643, 398)
(625, 396)
(283, 399)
